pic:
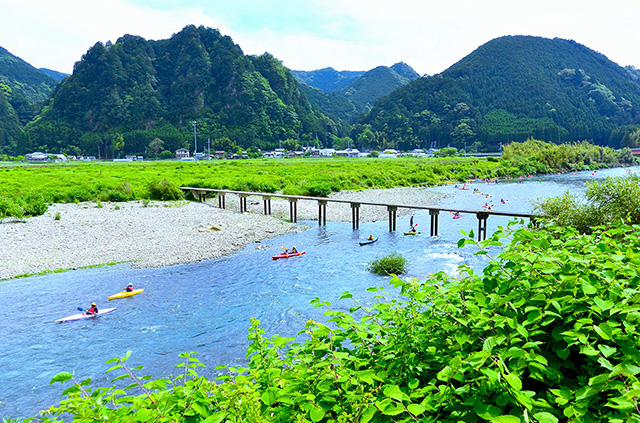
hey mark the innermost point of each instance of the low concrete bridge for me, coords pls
(201, 194)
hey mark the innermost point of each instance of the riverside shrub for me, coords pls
(393, 264)
(546, 333)
(163, 190)
(605, 202)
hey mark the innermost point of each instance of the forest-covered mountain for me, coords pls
(510, 89)
(327, 80)
(58, 76)
(23, 90)
(358, 97)
(123, 96)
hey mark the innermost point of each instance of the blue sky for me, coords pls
(312, 34)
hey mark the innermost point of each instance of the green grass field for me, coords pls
(108, 181)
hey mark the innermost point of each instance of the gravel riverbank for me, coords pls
(164, 234)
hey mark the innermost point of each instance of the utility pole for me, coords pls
(195, 140)
(209, 146)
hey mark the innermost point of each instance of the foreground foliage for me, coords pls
(547, 333)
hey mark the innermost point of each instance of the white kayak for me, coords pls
(81, 316)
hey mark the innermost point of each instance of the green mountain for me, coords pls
(377, 83)
(358, 97)
(123, 96)
(23, 90)
(327, 80)
(510, 89)
(58, 76)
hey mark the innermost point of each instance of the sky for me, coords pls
(353, 35)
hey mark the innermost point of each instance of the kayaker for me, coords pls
(129, 287)
(413, 228)
(294, 249)
(371, 236)
(456, 214)
(93, 309)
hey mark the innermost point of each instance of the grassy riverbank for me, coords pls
(107, 181)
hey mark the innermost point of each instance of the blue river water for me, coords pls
(207, 306)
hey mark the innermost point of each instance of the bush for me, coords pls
(163, 190)
(393, 264)
(605, 203)
(166, 155)
(34, 206)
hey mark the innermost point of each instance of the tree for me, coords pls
(117, 144)
(155, 146)
(290, 144)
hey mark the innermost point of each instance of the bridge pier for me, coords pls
(221, 203)
(202, 196)
(433, 213)
(355, 215)
(393, 215)
(243, 203)
(322, 212)
(482, 225)
(267, 204)
(293, 209)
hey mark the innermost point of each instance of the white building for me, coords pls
(182, 153)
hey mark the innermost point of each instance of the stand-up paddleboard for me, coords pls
(83, 315)
(125, 294)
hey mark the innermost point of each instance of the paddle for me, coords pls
(80, 308)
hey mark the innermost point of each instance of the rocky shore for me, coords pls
(70, 236)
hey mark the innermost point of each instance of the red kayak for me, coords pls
(286, 255)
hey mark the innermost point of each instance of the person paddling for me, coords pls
(294, 249)
(371, 236)
(93, 309)
(129, 288)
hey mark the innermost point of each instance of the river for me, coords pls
(207, 306)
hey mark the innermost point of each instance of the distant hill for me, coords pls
(327, 80)
(125, 95)
(358, 97)
(510, 89)
(377, 83)
(23, 90)
(58, 76)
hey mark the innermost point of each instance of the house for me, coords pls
(327, 152)
(349, 152)
(182, 153)
(38, 157)
(388, 153)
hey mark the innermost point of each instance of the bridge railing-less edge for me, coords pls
(201, 194)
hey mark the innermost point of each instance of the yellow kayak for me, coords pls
(125, 294)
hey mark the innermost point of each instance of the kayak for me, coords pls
(125, 294)
(81, 316)
(457, 216)
(412, 233)
(368, 241)
(283, 255)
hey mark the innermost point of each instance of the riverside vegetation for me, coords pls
(547, 332)
(26, 190)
